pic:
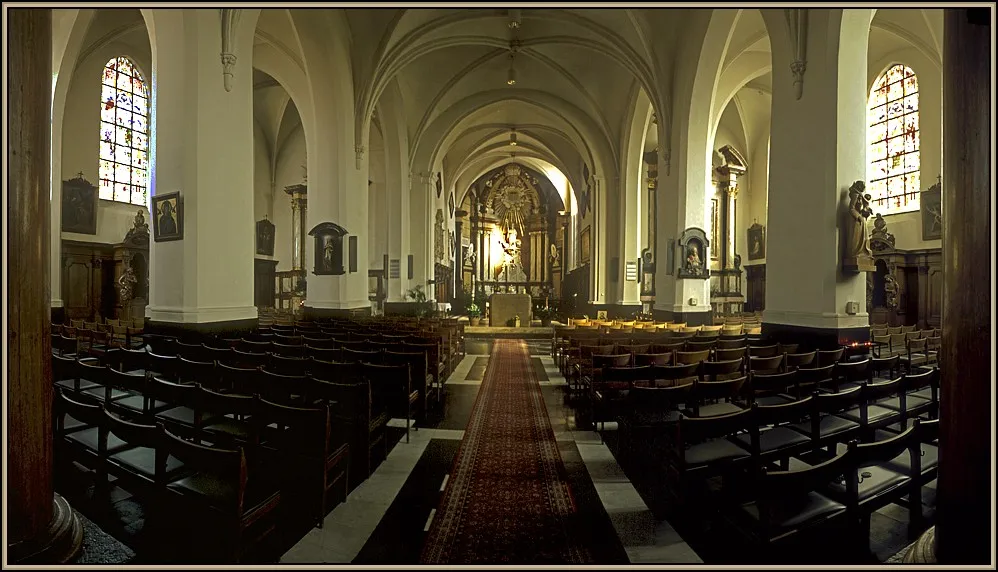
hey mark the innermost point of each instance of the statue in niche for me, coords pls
(693, 263)
(327, 252)
(858, 255)
(554, 253)
(126, 284)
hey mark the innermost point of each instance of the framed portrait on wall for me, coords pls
(167, 217)
(584, 245)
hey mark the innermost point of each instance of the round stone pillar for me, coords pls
(43, 528)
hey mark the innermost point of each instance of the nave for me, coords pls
(493, 449)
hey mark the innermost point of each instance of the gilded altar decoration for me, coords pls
(858, 257)
(439, 237)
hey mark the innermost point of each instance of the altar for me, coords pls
(505, 307)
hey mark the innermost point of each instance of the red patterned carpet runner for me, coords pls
(507, 500)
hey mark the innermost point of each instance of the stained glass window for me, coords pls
(124, 133)
(892, 117)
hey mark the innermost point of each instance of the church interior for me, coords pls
(499, 286)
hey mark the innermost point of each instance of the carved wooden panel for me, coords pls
(935, 297)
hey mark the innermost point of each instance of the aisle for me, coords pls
(508, 498)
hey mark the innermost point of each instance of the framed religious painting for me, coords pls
(167, 217)
(265, 237)
(584, 245)
(756, 242)
(79, 206)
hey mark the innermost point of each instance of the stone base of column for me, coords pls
(689, 318)
(224, 329)
(59, 544)
(310, 313)
(924, 549)
(812, 337)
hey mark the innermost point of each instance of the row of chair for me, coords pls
(287, 455)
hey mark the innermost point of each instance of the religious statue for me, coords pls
(891, 291)
(858, 256)
(327, 252)
(554, 253)
(126, 284)
(469, 257)
(140, 229)
(693, 260)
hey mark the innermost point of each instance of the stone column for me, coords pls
(299, 217)
(43, 528)
(965, 495)
(202, 145)
(818, 149)
(458, 256)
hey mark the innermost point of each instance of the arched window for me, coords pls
(893, 142)
(124, 133)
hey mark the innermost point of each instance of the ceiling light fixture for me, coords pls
(514, 46)
(514, 18)
(512, 137)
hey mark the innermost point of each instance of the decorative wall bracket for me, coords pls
(229, 18)
(359, 150)
(797, 24)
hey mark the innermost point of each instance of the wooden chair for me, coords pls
(771, 388)
(220, 487)
(391, 389)
(771, 439)
(713, 398)
(666, 375)
(349, 399)
(770, 364)
(653, 359)
(826, 427)
(702, 450)
(869, 414)
(648, 416)
(799, 361)
(788, 504)
(764, 351)
(312, 457)
(828, 357)
(609, 388)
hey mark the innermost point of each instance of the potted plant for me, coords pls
(544, 314)
(474, 314)
(423, 307)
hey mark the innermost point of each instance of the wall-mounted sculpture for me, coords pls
(692, 249)
(857, 256)
(439, 237)
(328, 248)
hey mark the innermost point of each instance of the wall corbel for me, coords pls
(797, 24)
(229, 18)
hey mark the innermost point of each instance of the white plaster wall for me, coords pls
(288, 172)
(377, 209)
(81, 132)
(262, 191)
(907, 227)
